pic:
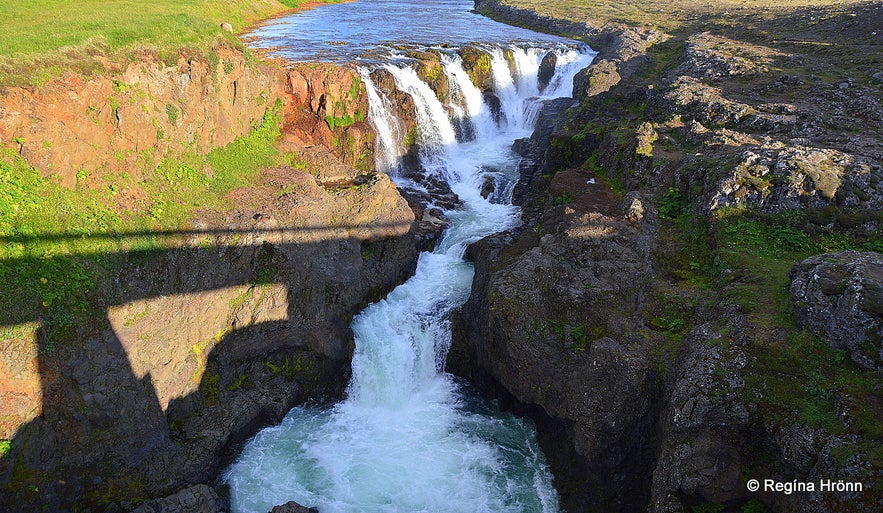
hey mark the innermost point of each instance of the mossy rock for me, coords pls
(477, 64)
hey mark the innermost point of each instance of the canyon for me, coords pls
(645, 323)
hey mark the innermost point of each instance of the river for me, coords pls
(409, 437)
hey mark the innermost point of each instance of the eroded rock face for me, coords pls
(548, 320)
(326, 106)
(293, 507)
(241, 316)
(202, 344)
(703, 423)
(108, 122)
(775, 178)
(839, 297)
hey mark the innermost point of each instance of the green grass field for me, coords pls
(46, 37)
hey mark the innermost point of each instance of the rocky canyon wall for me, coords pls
(230, 321)
(651, 393)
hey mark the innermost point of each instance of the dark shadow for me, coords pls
(110, 429)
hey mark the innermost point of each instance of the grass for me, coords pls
(795, 375)
(661, 14)
(48, 37)
(60, 242)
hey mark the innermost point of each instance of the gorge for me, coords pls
(359, 248)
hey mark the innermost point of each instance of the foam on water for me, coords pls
(407, 439)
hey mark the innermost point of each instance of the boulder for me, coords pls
(293, 507)
(547, 69)
(196, 499)
(839, 298)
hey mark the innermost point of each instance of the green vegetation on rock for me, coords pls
(58, 242)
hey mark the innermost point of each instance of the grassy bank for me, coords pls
(47, 37)
(58, 245)
(674, 16)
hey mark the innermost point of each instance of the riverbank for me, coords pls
(664, 216)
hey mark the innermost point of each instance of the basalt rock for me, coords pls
(260, 300)
(547, 69)
(775, 177)
(839, 297)
(477, 64)
(293, 507)
(541, 326)
(195, 499)
(597, 78)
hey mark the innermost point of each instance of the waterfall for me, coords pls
(469, 96)
(527, 65)
(389, 132)
(434, 130)
(407, 438)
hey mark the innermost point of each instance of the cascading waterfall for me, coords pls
(407, 438)
(466, 94)
(386, 126)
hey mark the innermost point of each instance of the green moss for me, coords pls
(355, 88)
(286, 370)
(237, 383)
(237, 302)
(208, 388)
(614, 182)
(563, 199)
(172, 113)
(342, 121)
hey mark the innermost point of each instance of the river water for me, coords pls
(408, 438)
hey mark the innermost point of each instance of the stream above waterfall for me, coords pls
(353, 31)
(409, 437)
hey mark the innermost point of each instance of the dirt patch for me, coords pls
(585, 192)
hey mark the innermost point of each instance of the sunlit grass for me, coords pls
(43, 38)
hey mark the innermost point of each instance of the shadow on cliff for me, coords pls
(103, 379)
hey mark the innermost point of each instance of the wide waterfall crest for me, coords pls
(407, 438)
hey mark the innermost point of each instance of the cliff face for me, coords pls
(229, 321)
(146, 112)
(643, 322)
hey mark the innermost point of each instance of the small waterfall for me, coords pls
(466, 94)
(568, 64)
(527, 65)
(434, 129)
(388, 148)
(407, 438)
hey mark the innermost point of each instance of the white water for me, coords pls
(407, 439)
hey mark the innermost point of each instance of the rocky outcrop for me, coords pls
(704, 423)
(839, 297)
(149, 110)
(773, 177)
(326, 106)
(226, 323)
(293, 507)
(142, 401)
(650, 393)
(196, 499)
(551, 317)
